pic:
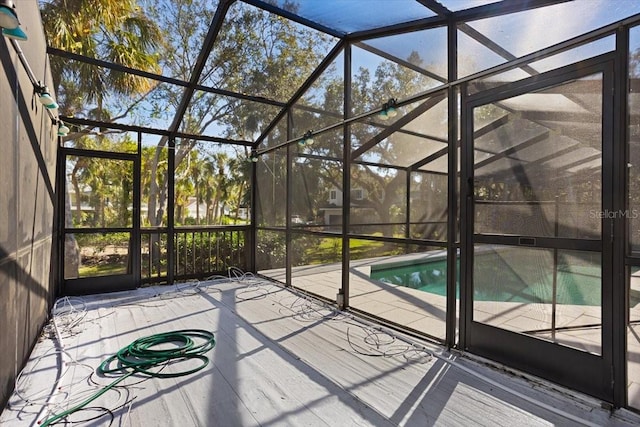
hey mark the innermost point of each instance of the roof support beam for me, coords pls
(446, 16)
(293, 17)
(506, 174)
(201, 61)
(302, 89)
(424, 95)
(404, 63)
(493, 46)
(582, 161)
(501, 8)
(405, 27)
(555, 49)
(436, 7)
(407, 118)
(157, 77)
(152, 131)
(431, 158)
(560, 116)
(512, 150)
(478, 133)
(113, 66)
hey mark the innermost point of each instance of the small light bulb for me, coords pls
(392, 112)
(63, 130)
(307, 138)
(8, 17)
(46, 99)
(14, 33)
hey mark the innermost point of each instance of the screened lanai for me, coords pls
(462, 171)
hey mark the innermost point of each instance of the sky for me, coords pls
(520, 34)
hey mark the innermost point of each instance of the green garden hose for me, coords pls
(150, 352)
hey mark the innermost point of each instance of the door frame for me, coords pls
(560, 364)
(99, 284)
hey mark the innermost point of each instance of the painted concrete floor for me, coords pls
(425, 312)
(280, 359)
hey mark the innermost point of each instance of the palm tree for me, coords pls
(112, 30)
(221, 184)
(203, 172)
(183, 189)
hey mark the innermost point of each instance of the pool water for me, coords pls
(497, 281)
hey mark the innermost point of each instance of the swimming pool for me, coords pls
(499, 278)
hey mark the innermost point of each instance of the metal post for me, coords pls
(343, 293)
(466, 220)
(452, 194)
(554, 296)
(171, 254)
(135, 236)
(620, 286)
(288, 196)
(61, 235)
(253, 231)
(407, 224)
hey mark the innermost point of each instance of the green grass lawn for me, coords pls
(101, 270)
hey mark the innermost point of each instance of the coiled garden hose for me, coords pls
(146, 353)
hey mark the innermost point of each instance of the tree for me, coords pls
(108, 181)
(384, 187)
(113, 30)
(107, 29)
(255, 53)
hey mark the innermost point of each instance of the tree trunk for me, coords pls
(216, 212)
(197, 203)
(71, 249)
(154, 190)
(76, 189)
(239, 199)
(152, 206)
(101, 205)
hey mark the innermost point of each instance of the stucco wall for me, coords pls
(27, 171)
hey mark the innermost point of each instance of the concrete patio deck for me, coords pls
(280, 359)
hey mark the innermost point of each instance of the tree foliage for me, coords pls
(112, 30)
(255, 53)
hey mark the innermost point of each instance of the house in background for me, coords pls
(361, 209)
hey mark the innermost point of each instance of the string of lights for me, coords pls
(10, 25)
